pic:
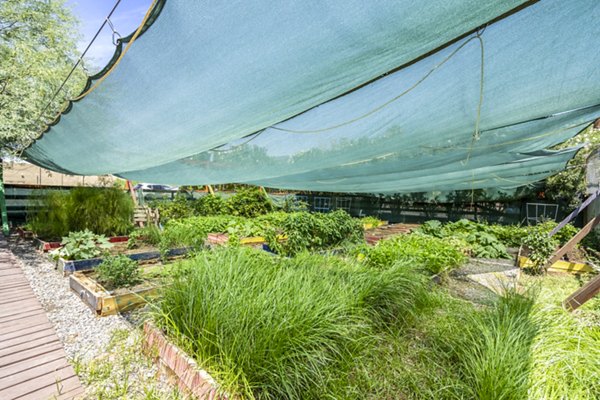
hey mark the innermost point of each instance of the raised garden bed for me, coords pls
(254, 241)
(109, 302)
(67, 267)
(45, 247)
(181, 368)
(385, 231)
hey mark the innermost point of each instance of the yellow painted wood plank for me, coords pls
(560, 266)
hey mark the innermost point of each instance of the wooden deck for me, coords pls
(33, 363)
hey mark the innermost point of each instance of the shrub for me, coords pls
(105, 211)
(82, 246)
(540, 246)
(179, 207)
(118, 271)
(273, 328)
(192, 231)
(210, 205)
(481, 239)
(432, 254)
(306, 231)
(249, 202)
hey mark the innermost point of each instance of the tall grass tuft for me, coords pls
(104, 211)
(271, 328)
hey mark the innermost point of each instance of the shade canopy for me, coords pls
(347, 96)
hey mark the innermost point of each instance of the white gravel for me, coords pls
(84, 335)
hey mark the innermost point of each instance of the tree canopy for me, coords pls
(37, 51)
(569, 186)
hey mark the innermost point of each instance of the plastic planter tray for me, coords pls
(44, 246)
(67, 267)
(101, 301)
(179, 366)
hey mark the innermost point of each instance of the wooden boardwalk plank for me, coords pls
(26, 331)
(43, 387)
(20, 325)
(4, 344)
(34, 372)
(32, 344)
(33, 363)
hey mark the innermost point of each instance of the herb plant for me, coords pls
(118, 271)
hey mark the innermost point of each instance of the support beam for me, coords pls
(575, 212)
(131, 192)
(571, 243)
(583, 294)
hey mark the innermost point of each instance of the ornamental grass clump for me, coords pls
(104, 211)
(273, 328)
(494, 356)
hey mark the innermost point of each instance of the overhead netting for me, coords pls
(346, 96)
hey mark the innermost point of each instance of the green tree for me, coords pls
(569, 186)
(37, 51)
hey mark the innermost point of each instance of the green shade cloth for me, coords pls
(346, 96)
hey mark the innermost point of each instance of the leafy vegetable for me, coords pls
(118, 271)
(82, 246)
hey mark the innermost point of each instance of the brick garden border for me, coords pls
(186, 372)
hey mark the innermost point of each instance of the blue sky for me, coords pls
(91, 14)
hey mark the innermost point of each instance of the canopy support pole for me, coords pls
(5, 228)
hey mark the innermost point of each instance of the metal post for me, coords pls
(5, 228)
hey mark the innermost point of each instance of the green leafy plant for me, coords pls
(425, 252)
(249, 202)
(118, 271)
(306, 231)
(180, 207)
(82, 246)
(486, 245)
(210, 205)
(372, 222)
(540, 246)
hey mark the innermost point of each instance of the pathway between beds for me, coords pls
(33, 363)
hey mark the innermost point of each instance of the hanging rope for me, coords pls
(387, 103)
(216, 149)
(476, 133)
(80, 60)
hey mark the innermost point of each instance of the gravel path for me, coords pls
(89, 340)
(84, 335)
